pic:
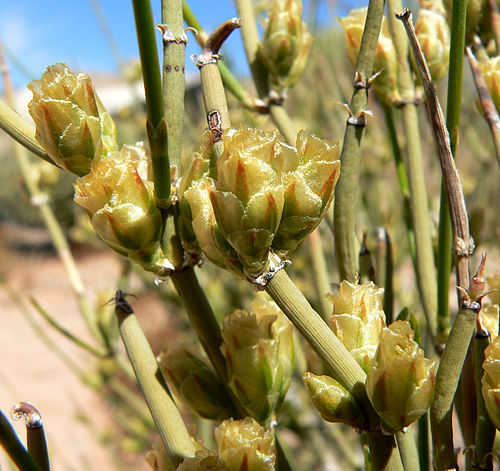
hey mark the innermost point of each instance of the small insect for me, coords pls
(215, 124)
(121, 302)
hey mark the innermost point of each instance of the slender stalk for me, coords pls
(346, 193)
(424, 255)
(22, 131)
(487, 105)
(409, 452)
(423, 442)
(66, 333)
(345, 369)
(174, 51)
(402, 179)
(35, 434)
(447, 378)
(168, 420)
(384, 271)
(485, 430)
(14, 448)
(156, 125)
(320, 273)
(453, 108)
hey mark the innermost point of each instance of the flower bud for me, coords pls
(400, 383)
(245, 445)
(386, 61)
(489, 318)
(434, 36)
(490, 68)
(194, 167)
(195, 381)
(358, 319)
(119, 200)
(286, 43)
(309, 180)
(259, 353)
(71, 123)
(204, 460)
(333, 402)
(491, 381)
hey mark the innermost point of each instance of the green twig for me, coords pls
(167, 418)
(409, 452)
(346, 192)
(156, 125)
(345, 369)
(453, 109)
(174, 51)
(320, 273)
(14, 448)
(35, 434)
(384, 271)
(423, 442)
(22, 131)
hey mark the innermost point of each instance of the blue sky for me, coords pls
(40, 33)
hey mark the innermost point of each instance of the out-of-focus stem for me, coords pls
(487, 105)
(384, 271)
(156, 126)
(320, 273)
(485, 430)
(14, 448)
(453, 109)
(423, 442)
(424, 255)
(168, 420)
(174, 46)
(402, 179)
(346, 192)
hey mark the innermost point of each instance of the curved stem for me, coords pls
(346, 192)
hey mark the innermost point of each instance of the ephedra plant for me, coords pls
(247, 198)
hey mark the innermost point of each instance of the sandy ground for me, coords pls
(30, 371)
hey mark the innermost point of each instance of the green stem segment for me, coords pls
(345, 369)
(447, 377)
(409, 452)
(14, 448)
(174, 52)
(156, 125)
(346, 193)
(454, 101)
(168, 420)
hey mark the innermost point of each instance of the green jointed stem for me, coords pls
(485, 430)
(454, 101)
(345, 369)
(346, 192)
(320, 273)
(22, 131)
(14, 448)
(447, 377)
(156, 126)
(425, 268)
(174, 51)
(168, 420)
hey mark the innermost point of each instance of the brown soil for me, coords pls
(76, 418)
